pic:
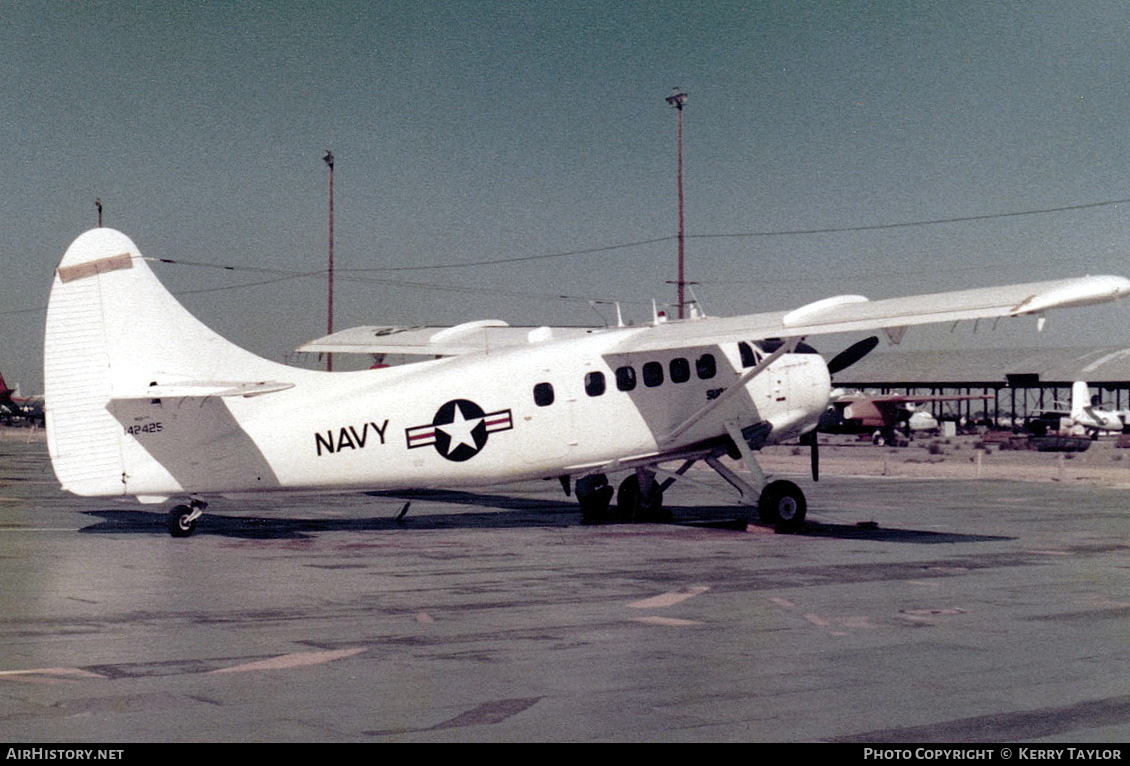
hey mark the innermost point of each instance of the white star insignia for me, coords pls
(459, 430)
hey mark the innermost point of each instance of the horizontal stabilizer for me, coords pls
(204, 389)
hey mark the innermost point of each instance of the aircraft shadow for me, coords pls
(506, 512)
(715, 517)
(281, 527)
(893, 534)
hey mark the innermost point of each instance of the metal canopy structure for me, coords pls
(1022, 381)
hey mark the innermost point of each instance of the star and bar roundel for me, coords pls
(459, 429)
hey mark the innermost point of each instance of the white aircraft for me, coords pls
(144, 401)
(1083, 415)
(1087, 412)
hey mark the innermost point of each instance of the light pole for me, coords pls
(329, 158)
(98, 204)
(677, 100)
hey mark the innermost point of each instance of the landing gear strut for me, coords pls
(780, 504)
(181, 521)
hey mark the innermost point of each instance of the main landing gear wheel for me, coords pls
(633, 505)
(782, 504)
(594, 496)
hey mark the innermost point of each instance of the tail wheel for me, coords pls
(182, 521)
(782, 504)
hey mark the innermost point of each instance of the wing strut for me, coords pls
(785, 348)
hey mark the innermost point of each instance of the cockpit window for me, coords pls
(749, 358)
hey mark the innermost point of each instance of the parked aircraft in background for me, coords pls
(1085, 414)
(887, 417)
(19, 409)
(144, 401)
(1088, 413)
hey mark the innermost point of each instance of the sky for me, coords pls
(517, 160)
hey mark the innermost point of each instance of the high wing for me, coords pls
(844, 313)
(849, 313)
(468, 338)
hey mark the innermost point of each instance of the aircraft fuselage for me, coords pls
(550, 409)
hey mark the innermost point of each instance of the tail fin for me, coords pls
(112, 332)
(1080, 398)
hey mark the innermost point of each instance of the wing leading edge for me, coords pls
(839, 314)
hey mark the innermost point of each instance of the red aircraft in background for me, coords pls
(885, 417)
(15, 408)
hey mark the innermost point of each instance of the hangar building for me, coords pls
(1021, 381)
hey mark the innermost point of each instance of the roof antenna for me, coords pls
(695, 307)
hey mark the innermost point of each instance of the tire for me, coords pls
(594, 496)
(782, 505)
(631, 506)
(178, 521)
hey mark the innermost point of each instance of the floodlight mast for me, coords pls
(329, 159)
(677, 100)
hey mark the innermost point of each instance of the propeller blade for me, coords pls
(852, 354)
(813, 443)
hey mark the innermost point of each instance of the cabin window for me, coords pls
(706, 367)
(543, 394)
(625, 378)
(594, 383)
(680, 370)
(653, 374)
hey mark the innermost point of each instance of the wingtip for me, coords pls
(1085, 291)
